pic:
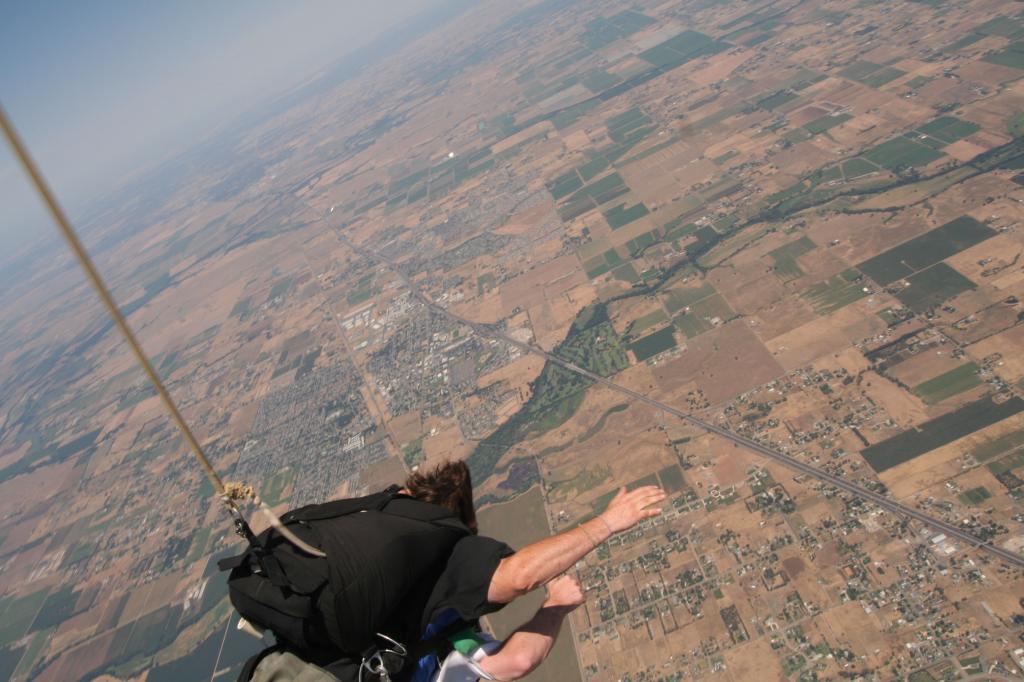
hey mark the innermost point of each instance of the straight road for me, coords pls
(791, 462)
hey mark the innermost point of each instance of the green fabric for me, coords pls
(467, 641)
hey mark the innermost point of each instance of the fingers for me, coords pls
(647, 495)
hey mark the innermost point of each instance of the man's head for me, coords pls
(449, 485)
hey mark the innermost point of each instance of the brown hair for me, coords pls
(448, 485)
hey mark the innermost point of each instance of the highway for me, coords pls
(881, 500)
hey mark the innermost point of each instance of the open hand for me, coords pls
(629, 508)
(564, 591)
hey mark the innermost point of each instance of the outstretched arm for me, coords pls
(536, 564)
(528, 646)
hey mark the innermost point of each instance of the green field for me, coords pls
(939, 431)
(592, 169)
(719, 160)
(677, 299)
(785, 257)
(58, 607)
(626, 273)
(871, 74)
(836, 292)
(645, 322)
(933, 286)
(17, 614)
(884, 75)
(593, 194)
(273, 490)
(857, 167)
(975, 496)
(998, 446)
(859, 70)
(901, 152)
(598, 79)
(654, 149)
(681, 49)
(485, 283)
(32, 653)
(198, 546)
(820, 125)
(241, 308)
(1012, 56)
(637, 245)
(926, 250)
(1012, 461)
(652, 344)
(676, 229)
(777, 99)
(949, 384)
(622, 215)
(624, 125)
(598, 265)
(565, 184)
(672, 479)
(591, 343)
(966, 41)
(699, 318)
(9, 662)
(948, 129)
(606, 30)
(1003, 26)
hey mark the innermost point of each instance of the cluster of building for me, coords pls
(428, 362)
(319, 427)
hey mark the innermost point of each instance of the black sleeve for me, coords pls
(466, 579)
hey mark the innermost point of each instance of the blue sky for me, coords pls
(101, 88)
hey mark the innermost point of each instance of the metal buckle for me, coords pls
(377, 664)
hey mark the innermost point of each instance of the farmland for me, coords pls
(836, 292)
(949, 384)
(648, 346)
(933, 286)
(939, 431)
(926, 250)
(785, 257)
(703, 315)
(901, 153)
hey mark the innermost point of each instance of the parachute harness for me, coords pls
(231, 493)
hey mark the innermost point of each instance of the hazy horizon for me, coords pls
(104, 90)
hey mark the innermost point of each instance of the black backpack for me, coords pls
(384, 552)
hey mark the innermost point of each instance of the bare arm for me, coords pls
(530, 644)
(536, 564)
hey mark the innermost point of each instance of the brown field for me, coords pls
(906, 409)
(990, 319)
(925, 365)
(528, 289)
(382, 474)
(1000, 251)
(552, 318)
(753, 660)
(447, 443)
(829, 334)
(519, 523)
(724, 362)
(1008, 343)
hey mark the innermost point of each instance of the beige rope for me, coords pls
(228, 494)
